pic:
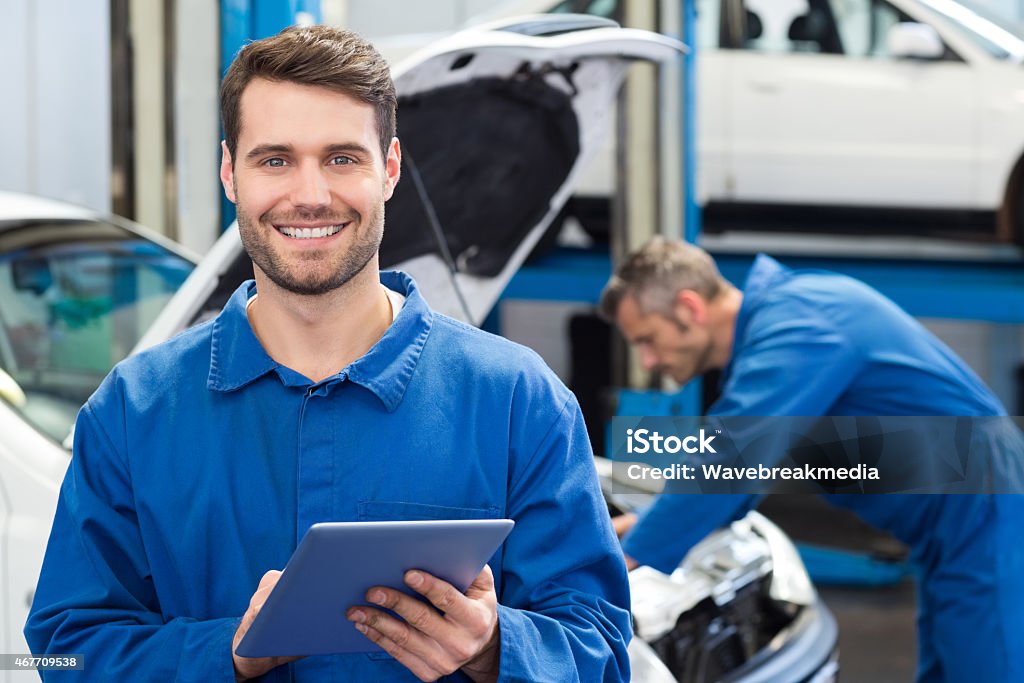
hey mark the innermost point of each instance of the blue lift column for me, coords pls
(688, 400)
(242, 21)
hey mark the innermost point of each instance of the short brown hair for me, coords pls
(320, 56)
(657, 272)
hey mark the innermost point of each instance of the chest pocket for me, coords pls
(395, 511)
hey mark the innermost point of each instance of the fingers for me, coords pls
(415, 612)
(246, 667)
(623, 523)
(267, 584)
(269, 579)
(422, 668)
(446, 598)
(420, 653)
(416, 618)
(431, 642)
(482, 585)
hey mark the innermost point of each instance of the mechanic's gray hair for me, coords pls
(657, 272)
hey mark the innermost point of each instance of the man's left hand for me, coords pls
(461, 633)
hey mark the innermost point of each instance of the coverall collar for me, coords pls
(237, 357)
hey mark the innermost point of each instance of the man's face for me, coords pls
(676, 345)
(309, 184)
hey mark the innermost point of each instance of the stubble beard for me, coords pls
(301, 276)
(701, 360)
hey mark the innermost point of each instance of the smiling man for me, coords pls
(326, 391)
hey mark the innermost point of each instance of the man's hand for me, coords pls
(251, 667)
(461, 633)
(623, 523)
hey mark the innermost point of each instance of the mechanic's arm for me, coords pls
(676, 522)
(795, 364)
(95, 595)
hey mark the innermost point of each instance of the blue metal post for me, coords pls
(692, 216)
(242, 21)
(691, 396)
(273, 15)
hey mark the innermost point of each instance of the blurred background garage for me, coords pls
(879, 138)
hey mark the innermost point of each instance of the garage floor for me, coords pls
(877, 640)
(877, 643)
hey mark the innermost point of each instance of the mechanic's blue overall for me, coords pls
(816, 343)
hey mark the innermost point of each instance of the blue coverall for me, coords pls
(200, 463)
(814, 343)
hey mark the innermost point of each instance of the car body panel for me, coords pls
(808, 128)
(835, 130)
(795, 128)
(31, 469)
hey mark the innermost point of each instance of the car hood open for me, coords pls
(495, 125)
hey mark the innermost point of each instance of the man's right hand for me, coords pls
(623, 523)
(251, 667)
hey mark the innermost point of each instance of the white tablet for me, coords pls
(337, 562)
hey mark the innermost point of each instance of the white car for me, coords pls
(862, 106)
(77, 289)
(885, 115)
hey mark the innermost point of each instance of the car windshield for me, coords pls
(608, 9)
(74, 299)
(998, 35)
